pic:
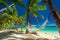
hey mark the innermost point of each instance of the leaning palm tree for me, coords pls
(54, 13)
(31, 9)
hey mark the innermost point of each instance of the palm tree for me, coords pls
(31, 9)
(10, 17)
(4, 15)
(16, 18)
(1, 20)
(54, 14)
(4, 19)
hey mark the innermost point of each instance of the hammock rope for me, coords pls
(44, 24)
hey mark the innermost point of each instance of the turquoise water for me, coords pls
(50, 29)
(46, 29)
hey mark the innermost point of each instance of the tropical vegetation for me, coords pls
(10, 18)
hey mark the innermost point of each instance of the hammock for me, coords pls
(44, 24)
(41, 27)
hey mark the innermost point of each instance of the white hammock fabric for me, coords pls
(40, 28)
(43, 25)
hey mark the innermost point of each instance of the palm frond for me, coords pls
(25, 15)
(43, 7)
(19, 2)
(14, 11)
(32, 2)
(5, 8)
(6, 5)
(35, 14)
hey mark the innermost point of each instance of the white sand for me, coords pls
(47, 35)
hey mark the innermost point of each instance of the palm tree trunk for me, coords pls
(28, 17)
(54, 15)
(27, 21)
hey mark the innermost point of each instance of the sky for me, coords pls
(21, 10)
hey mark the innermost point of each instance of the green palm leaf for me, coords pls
(6, 5)
(25, 15)
(41, 16)
(32, 2)
(14, 11)
(35, 14)
(19, 2)
(43, 7)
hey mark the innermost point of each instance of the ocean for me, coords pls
(50, 29)
(46, 29)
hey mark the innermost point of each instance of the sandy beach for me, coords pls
(17, 35)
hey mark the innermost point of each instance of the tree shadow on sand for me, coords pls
(16, 38)
(29, 39)
(5, 35)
